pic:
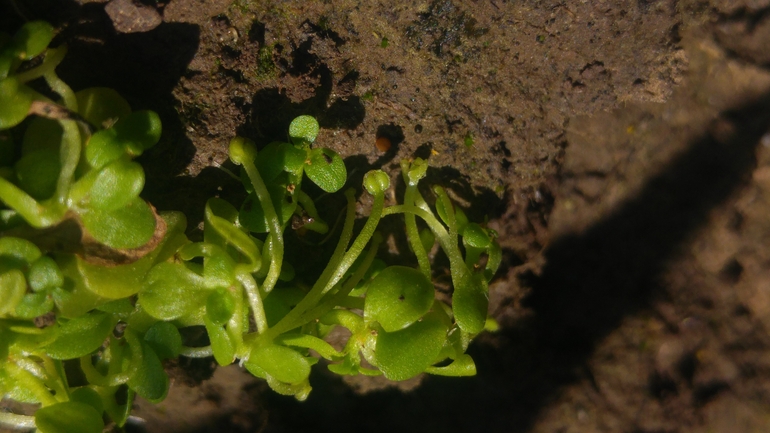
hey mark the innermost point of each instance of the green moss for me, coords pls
(265, 65)
(468, 140)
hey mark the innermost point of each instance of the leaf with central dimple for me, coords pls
(397, 297)
(326, 169)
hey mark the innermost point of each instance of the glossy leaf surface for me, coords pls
(101, 105)
(15, 100)
(37, 173)
(172, 291)
(284, 364)
(150, 380)
(404, 354)
(165, 340)
(303, 130)
(117, 184)
(80, 336)
(69, 417)
(397, 297)
(130, 226)
(326, 169)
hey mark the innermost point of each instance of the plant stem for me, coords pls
(335, 271)
(456, 261)
(349, 285)
(70, 156)
(197, 352)
(53, 57)
(255, 301)
(413, 234)
(273, 223)
(17, 422)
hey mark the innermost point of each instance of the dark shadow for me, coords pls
(590, 283)
(272, 110)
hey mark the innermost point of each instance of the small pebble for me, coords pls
(383, 144)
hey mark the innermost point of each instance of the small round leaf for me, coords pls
(470, 303)
(220, 306)
(475, 236)
(404, 354)
(139, 131)
(326, 169)
(172, 291)
(33, 305)
(38, 172)
(99, 105)
(397, 297)
(32, 39)
(130, 226)
(44, 274)
(69, 417)
(303, 130)
(150, 380)
(15, 100)
(19, 250)
(80, 336)
(12, 288)
(88, 396)
(116, 185)
(282, 363)
(103, 147)
(165, 340)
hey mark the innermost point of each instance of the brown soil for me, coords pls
(619, 147)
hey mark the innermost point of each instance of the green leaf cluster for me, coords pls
(89, 272)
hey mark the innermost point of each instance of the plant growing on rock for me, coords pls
(93, 280)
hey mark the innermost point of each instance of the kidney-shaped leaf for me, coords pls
(326, 169)
(397, 297)
(404, 354)
(69, 417)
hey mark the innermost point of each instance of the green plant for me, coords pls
(110, 300)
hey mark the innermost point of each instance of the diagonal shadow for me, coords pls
(590, 283)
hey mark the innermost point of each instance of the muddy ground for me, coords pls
(621, 149)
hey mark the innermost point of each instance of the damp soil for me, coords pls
(620, 148)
